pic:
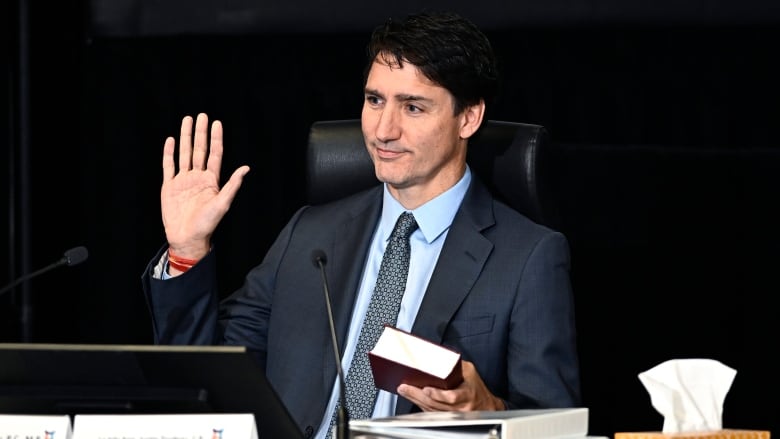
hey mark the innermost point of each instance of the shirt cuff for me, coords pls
(160, 270)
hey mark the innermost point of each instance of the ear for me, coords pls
(471, 119)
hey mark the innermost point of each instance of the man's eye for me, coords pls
(413, 108)
(372, 100)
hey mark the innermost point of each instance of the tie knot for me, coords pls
(405, 226)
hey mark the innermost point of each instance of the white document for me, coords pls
(194, 426)
(424, 433)
(508, 424)
(36, 426)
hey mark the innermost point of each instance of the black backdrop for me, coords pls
(663, 119)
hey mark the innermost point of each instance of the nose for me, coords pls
(387, 126)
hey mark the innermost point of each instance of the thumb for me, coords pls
(229, 190)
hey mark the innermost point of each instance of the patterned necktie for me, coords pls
(383, 309)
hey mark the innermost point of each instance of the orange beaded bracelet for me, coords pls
(179, 263)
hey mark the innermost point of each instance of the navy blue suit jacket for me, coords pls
(500, 294)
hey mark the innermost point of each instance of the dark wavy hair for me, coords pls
(446, 47)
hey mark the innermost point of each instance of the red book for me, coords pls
(402, 357)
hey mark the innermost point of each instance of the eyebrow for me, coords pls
(403, 97)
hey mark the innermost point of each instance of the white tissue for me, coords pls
(689, 393)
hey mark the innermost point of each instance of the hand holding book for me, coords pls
(400, 357)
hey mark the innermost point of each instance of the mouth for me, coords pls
(385, 153)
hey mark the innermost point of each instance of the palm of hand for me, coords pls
(190, 207)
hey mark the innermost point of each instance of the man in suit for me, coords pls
(483, 279)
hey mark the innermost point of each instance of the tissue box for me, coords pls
(712, 434)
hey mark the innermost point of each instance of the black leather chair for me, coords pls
(510, 157)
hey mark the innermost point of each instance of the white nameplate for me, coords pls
(35, 426)
(195, 426)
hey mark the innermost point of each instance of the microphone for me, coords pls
(319, 260)
(71, 257)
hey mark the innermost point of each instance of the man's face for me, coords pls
(411, 133)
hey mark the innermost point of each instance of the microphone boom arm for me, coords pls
(72, 257)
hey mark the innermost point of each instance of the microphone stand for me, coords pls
(342, 414)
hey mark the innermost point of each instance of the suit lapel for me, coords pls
(462, 258)
(346, 251)
(349, 249)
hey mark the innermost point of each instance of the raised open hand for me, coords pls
(191, 200)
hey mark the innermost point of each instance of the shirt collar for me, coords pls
(433, 217)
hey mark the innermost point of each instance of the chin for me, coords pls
(393, 173)
(396, 183)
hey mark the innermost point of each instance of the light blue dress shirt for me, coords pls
(434, 219)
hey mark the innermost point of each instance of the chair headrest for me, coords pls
(507, 156)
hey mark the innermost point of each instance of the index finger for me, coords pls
(168, 165)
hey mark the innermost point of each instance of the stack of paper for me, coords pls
(509, 424)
